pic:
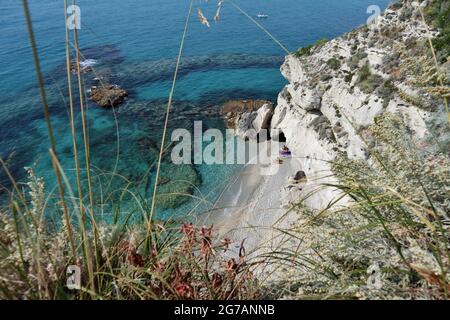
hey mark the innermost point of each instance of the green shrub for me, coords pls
(386, 91)
(334, 63)
(353, 62)
(438, 14)
(305, 51)
(367, 81)
(321, 42)
(348, 78)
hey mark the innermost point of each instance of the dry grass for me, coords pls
(153, 261)
(392, 242)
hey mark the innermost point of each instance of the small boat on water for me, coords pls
(262, 16)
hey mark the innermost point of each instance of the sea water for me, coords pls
(134, 44)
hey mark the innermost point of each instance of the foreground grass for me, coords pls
(388, 236)
(42, 234)
(153, 261)
(391, 241)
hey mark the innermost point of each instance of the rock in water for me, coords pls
(176, 185)
(263, 117)
(83, 68)
(250, 124)
(108, 95)
(248, 117)
(243, 125)
(233, 109)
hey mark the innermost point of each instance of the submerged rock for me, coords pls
(83, 68)
(144, 72)
(147, 144)
(233, 109)
(176, 185)
(108, 95)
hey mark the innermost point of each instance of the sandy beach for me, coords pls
(253, 202)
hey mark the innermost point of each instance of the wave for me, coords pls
(88, 63)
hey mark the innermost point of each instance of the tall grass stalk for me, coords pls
(87, 253)
(65, 209)
(85, 132)
(46, 111)
(438, 69)
(72, 116)
(169, 105)
(86, 149)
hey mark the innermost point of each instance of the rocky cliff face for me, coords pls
(339, 87)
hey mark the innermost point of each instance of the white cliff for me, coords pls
(336, 90)
(327, 104)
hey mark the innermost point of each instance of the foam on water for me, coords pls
(88, 63)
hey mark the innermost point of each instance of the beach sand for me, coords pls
(258, 208)
(253, 202)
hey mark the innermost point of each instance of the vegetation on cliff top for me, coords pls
(392, 242)
(305, 51)
(438, 14)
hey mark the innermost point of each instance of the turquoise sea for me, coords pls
(135, 44)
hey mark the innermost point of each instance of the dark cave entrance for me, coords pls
(281, 137)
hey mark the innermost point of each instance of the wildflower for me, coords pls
(37, 193)
(189, 235)
(187, 229)
(232, 267)
(206, 242)
(216, 280)
(159, 267)
(132, 257)
(225, 243)
(184, 290)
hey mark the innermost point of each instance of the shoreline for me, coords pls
(253, 202)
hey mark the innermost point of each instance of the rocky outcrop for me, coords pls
(233, 109)
(74, 69)
(250, 124)
(338, 88)
(248, 117)
(108, 95)
(263, 118)
(85, 66)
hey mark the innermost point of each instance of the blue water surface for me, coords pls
(136, 43)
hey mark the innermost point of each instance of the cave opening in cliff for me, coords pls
(281, 137)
